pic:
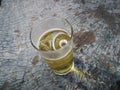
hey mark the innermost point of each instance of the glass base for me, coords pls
(64, 72)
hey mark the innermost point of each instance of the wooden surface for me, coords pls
(96, 25)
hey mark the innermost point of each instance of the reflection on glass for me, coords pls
(53, 38)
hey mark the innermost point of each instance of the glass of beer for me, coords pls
(53, 38)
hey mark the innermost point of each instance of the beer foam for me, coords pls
(60, 55)
(53, 29)
(50, 30)
(53, 41)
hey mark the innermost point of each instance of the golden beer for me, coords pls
(56, 39)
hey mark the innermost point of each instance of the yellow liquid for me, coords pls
(54, 40)
(63, 65)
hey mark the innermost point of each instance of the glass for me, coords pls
(53, 38)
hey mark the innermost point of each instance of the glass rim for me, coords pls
(43, 20)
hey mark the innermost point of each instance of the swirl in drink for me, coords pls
(53, 40)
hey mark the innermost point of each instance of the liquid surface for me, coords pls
(53, 40)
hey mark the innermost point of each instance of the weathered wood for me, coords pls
(100, 50)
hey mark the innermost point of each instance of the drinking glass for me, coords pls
(53, 38)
